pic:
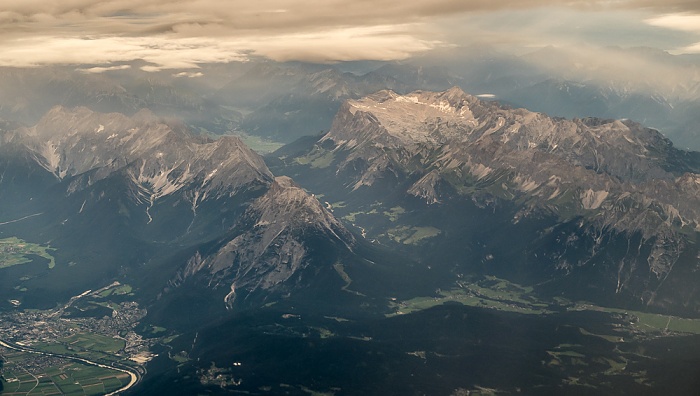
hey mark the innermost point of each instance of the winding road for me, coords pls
(23, 218)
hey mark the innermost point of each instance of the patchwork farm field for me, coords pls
(25, 374)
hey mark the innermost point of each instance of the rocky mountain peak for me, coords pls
(160, 157)
(61, 122)
(399, 120)
(271, 249)
(288, 205)
(456, 96)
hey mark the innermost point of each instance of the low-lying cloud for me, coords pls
(96, 70)
(173, 34)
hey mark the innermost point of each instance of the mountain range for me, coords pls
(612, 194)
(139, 182)
(422, 244)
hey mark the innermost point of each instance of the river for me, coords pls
(134, 376)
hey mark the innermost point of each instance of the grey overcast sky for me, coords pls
(179, 35)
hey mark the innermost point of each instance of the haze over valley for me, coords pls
(442, 198)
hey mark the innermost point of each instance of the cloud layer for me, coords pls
(174, 34)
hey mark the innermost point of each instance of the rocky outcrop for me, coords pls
(161, 157)
(271, 248)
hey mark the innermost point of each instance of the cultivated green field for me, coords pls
(495, 293)
(86, 345)
(650, 322)
(25, 374)
(117, 291)
(394, 213)
(475, 295)
(412, 235)
(316, 159)
(14, 251)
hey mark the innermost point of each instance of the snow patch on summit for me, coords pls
(481, 171)
(408, 99)
(593, 199)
